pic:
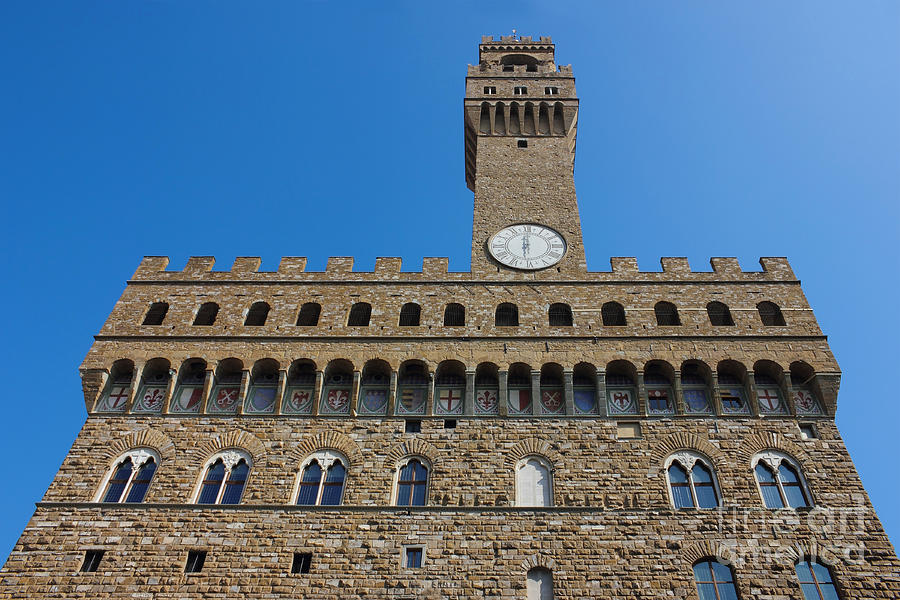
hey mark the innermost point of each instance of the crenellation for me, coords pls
(624, 265)
(292, 265)
(199, 265)
(246, 264)
(675, 264)
(339, 265)
(388, 265)
(725, 265)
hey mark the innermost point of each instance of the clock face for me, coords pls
(527, 246)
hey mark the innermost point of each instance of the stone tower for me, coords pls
(528, 429)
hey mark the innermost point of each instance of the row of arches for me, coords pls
(451, 388)
(506, 314)
(524, 118)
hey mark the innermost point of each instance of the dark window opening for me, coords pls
(551, 91)
(413, 558)
(666, 314)
(410, 315)
(507, 315)
(301, 563)
(719, 314)
(560, 315)
(808, 431)
(309, 314)
(360, 313)
(257, 315)
(508, 68)
(92, 560)
(490, 90)
(449, 423)
(520, 90)
(521, 143)
(454, 315)
(612, 314)
(156, 314)
(413, 426)
(195, 561)
(770, 314)
(207, 314)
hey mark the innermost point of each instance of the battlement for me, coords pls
(293, 268)
(521, 40)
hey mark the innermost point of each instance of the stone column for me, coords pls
(600, 382)
(429, 395)
(469, 396)
(392, 394)
(135, 384)
(680, 408)
(279, 390)
(170, 390)
(354, 393)
(242, 394)
(207, 389)
(503, 393)
(535, 391)
(317, 392)
(752, 399)
(716, 396)
(569, 391)
(643, 405)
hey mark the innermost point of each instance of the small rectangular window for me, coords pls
(449, 423)
(508, 68)
(521, 143)
(195, 560)
(92, 560)
(490, 90)
(302, 562)
(413, 426)
(551, 91)
(520, 90)
(412, 557)
(808, 431)
(628, 430)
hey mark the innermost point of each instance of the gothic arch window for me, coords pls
(539, 584)
(207, 314)
(534, 482)
(770, 314)
(612, 314)
(507, 315)
(410, 315)
(257, 315)
(692, 481)
(666, 314)
(815, 580)
(224, 478)
(454, 315)
(156, 313)
(714, 580)
(321, 479)
(412, 482)
(560, 315)
(360, 313)
(781, 483)
(309, 314)
(130, 477)
(719, 314)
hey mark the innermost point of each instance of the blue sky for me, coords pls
(319, 128)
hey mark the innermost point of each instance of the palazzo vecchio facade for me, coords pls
(527, 429)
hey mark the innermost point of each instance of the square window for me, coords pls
(628, 430)
(413, 426)
(520, 90)
(92, 560)
(490, 90)
(412, 556)
(551, 91)
(195, 560)
(808, 431)
(301, 563)
(449, 423)
(521, 143)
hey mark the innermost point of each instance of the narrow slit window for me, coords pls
(195, 560)
(302, 563)
(92, 560)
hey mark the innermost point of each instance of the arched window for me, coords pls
(225, 396)
(732, 388)
(449, 388)
(321, 480)
(552, 400)
(518, 387)
(207, 314)
(539, 585)
(560, 315)
(338, 385)
(156, 314)
(769, 394)
(658, 377)
(719, 314)
(301, 388)
(375, 386)
(410, 315)
(257, 315)
(534, 482)
(360, 313)
(806, 398)
(620, 389)
(224, 478)
(695, 378)
(130, 477)
(584, 389)
(309, 314)
(815, 581)
(770, 314)
(487, 389)
(714, 580)
(263, 387)
(507, 315)
(412, 483)
(780, 481)
(613, 314)
(188, 396)
(118, 388)
(412, 388)
(692, 483)
(154, 385)
(666, 314)
(454, 315)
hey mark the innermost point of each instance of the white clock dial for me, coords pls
(527, 246)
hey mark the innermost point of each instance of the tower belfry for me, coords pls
(521, 117)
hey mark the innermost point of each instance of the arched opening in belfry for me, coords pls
(559, 123)
(544, 120)
(514, 127)
(484, 125)
(519, 59)
(529, 119)
(500, 119)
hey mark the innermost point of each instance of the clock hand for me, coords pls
(525, 245)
